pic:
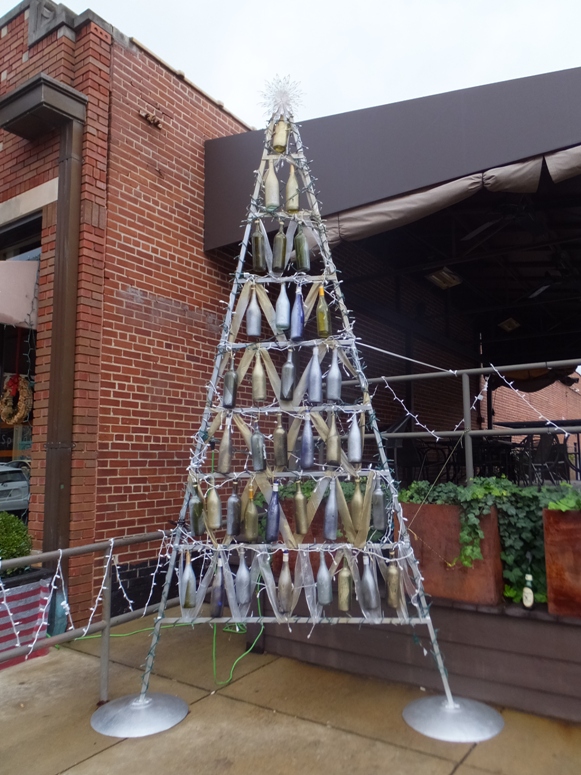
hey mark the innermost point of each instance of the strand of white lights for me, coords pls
(99, 597)
(45, 609)
(120, 584)
(4, 602)
(207, 549)
(162, 553)
(410, 414)
(528, 403)
(405, 358)
(479, 397)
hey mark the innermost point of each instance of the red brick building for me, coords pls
(103, 172)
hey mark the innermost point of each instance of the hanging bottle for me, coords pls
(271, 189)
(369, 588)
(282, 310)
(292, 192)
(250, 518)
(354, 446)
(258, 249)
(307, 445)
(302, 257)
(356, 505)
(323, 315)
(279, 251)
(257, 449)
(272, 517)
(230, 386)
(253, 316)
(280, 135)
(233, 512)
(315, 379)
(378, 516)
(344, 585)
(287, 378)
(528, 596)
(331, 513)
(393, 574)
(301, 519)
(217, 591)
(258, 381)
(297, 316)
(324, 582)
(213, 507)
(334, 379)
(285, 586)
(279, 441)
(242, 581)
(225, 452)
(188, 585)
(196, 509)
(333, 444)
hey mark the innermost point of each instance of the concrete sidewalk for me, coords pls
(276, 716)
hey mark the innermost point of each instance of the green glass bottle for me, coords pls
(258, 249)
(250, 518)
(213, 507)
(279, 442)
(344, 584)
(323, 316)
(258, 381)
(301, 519)
(279, 251)
(302, 257)
(393, 585)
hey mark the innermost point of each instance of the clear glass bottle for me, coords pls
(213, 507)
(258, 381)
(285, 586)
(331, 513)
(324, 582)
(280, 135)
(528, 596)
(307, 445)
(250, 518)
(272, 517)
(257, 449)
(393, 578)
(302, 256)
(230, 386)
(344, 586)
(217, 591)
(324, 329)
(258, 249)
(369, 589)
(378, 515)
(333, 444)
(292, 192)
(356, 505)
(282, 310)
(315, 379)
(196, 509)
(253, 316)
(242, 581)
(297, 316)
(187, 585)
(287, 378)
(225, 452)
(301, 519)
(279, 251)
(279, 441)
(354, 445)
(233, 512)
(271, 189)
(334, 379)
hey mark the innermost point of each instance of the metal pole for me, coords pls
(106, 636)
(467, 427)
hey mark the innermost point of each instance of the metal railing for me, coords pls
(107, 621)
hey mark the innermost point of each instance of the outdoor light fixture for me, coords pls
(508, 325)
(444, 278)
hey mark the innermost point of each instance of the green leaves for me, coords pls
(14, 538)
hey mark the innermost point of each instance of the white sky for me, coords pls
(347, 54)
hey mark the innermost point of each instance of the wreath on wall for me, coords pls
(16, 401)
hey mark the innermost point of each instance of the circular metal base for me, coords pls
(131, 717)
(467, 721)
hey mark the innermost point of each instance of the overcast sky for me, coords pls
(347, 54)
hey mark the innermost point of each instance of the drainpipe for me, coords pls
(32, 110)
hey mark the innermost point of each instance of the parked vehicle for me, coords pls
(14, 490)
